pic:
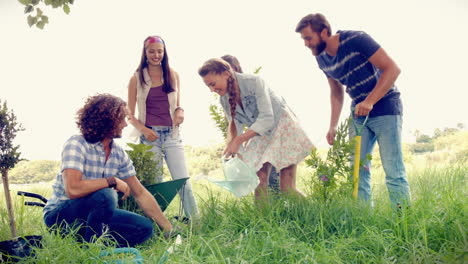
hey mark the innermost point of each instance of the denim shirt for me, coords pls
(262, 108)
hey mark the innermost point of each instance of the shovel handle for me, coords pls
(357, 152)
(358, 128)
(357, 157)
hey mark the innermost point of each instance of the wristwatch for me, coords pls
(111, 182)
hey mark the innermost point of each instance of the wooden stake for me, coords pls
(9, 204)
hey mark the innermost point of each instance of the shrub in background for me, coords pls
(334, 173)
(9, 155)
(34, 171)
(145, 162)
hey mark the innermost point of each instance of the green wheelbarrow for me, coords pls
(163, 192)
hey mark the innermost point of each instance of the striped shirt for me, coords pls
(351, 68)
(90, 160)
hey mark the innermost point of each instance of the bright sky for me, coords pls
(47, 74)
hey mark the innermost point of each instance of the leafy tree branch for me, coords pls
(39, 19)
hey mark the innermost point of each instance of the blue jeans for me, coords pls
(172, 150)
(386, 130)
(96, 213)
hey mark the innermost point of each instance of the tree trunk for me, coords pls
(8, 202)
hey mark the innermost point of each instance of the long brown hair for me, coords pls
(234, 62)
(218, 66)
(167, 87)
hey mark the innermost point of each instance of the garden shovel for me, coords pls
(357, 152)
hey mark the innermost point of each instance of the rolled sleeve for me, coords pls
(73, 155)
(265, 118)
(126, 168)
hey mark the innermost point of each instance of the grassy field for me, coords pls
(291, 230)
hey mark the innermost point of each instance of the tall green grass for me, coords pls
(298, 230)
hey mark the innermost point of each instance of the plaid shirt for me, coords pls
(90, 160)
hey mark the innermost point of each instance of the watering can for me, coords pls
(239, 178)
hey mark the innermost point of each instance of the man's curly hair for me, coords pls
(100, 117)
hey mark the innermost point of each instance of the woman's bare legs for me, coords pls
(288, 180)
(262, 189)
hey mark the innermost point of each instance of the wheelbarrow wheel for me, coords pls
(16, 249)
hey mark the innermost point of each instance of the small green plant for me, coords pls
(9, 127)
(334, 173)
(146, 163)
(257, 70)
(147, 169)
(217, 114)
(9, 154)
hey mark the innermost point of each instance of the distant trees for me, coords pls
(34, 171)
(447, 145)
(202, 160)
(425, 143)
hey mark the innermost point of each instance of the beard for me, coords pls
(319, 48)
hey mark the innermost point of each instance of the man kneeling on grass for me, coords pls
(93, 168)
